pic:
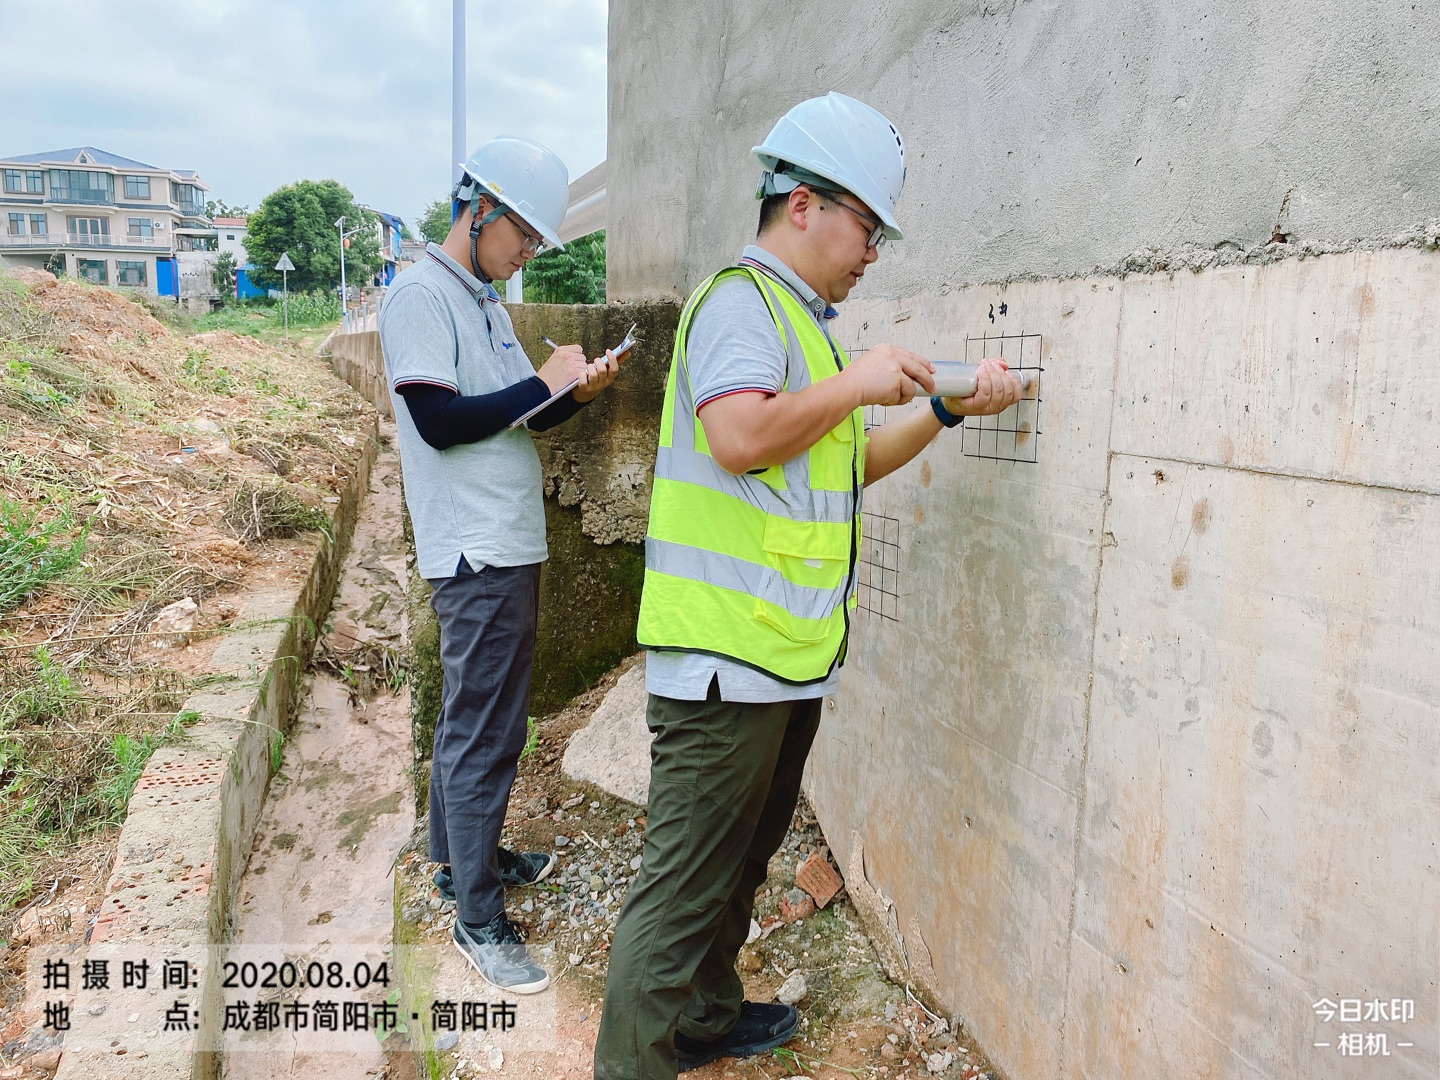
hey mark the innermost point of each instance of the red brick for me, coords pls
(819, 879)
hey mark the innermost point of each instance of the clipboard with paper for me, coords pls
(620, 350)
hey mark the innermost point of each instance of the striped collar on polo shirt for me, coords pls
(756, 256)
(481, 290)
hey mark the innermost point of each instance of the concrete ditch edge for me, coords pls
(188, 831)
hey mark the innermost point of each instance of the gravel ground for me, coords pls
(855, 1021)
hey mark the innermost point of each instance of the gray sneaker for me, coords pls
(498, 954)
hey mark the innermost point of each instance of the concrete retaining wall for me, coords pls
(356, 358)
(1135, 759)
(1163, 703)
(1044, 139)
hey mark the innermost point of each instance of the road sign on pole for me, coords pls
(285, 266)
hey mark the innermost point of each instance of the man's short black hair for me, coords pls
(772, 208)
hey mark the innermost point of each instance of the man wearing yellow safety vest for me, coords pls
(750, 575)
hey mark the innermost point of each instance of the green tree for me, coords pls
(219, 208)
(575, 275)
(435, 224)
(300, 218)
(223, 276)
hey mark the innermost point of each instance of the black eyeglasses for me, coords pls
(533, 244)
(876, 239)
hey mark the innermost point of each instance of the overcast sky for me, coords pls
(259, 93)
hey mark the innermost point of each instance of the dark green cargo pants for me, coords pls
(724, 780)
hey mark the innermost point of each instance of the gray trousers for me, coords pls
(487, 641)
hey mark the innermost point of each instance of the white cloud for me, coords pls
(257, 94)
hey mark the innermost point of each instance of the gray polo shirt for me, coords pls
(734, 347)
(441, 325)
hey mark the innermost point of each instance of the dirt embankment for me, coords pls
(149, 479)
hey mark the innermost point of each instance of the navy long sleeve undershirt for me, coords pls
(444, 419)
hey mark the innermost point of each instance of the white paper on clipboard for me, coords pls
(619, 351)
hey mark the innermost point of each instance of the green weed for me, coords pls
(128, 757)
(31, 554)
(46, 697)
(198, 372)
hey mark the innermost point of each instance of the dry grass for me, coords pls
(269, 509)
(139, 465)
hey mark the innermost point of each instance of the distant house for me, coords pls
(230, 236)
(390, 230)
(102, 217)
(410, 251)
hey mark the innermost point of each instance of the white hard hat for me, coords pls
(527, 177)
(844, 141)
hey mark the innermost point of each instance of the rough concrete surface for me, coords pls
(1145, 755)
(1044, 139)
(612, 751)
(318, 888)
(357, 359)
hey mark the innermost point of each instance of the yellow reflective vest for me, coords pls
(758, 568)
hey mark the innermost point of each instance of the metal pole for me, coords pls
(457, 89)
(285, 288)
(344, 293)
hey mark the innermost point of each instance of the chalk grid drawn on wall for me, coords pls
(878, 573)
(1014, 435)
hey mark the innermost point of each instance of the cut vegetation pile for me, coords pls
(149, 479)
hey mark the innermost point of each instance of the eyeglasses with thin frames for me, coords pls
(533, 244)
(876, 239)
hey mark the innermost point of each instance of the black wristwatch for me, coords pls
(944, 415)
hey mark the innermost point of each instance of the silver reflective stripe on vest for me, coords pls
(797, 377)
(738, 575)
(693, 467)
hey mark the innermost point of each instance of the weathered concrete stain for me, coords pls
(358, 819)
(1259, 622)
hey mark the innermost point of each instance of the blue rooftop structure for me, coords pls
(96, 156)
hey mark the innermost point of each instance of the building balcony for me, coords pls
(52, 241)
(82, 196)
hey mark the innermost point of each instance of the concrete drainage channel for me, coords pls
(181, 903)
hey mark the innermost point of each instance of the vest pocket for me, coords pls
(809, 553)
(808, 561)
(804, 631)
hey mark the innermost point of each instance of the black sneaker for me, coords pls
(761, 1028)
(497, 953)
(516, 868)
(524, 867)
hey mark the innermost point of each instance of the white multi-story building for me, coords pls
(230, 236)
(102, 217)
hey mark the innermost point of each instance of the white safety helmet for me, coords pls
(840, 140)
(527, 177)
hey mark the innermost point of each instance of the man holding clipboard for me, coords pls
(461, 387)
